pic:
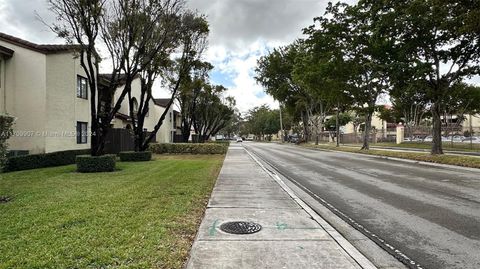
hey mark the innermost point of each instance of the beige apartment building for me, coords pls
(46, 90)
(156, 108)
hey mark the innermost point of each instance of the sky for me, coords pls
(240, 32)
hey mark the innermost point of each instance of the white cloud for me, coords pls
(240, 67)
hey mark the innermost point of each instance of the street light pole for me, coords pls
(281, 123)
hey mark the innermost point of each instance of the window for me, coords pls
(135, 106)
(82, 87)
(170, 116)
(82, 132)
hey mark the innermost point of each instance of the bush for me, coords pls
(35, 161)
(6, 123)
(221, 142)
(189, 148)
(93, 164)
(132, 156)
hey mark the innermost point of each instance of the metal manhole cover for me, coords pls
(240, 227)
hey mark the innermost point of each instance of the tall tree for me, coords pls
(133, 33)
(79, 22)
(190, 88)
(193, 41)
(366, 53)
(436, 42)
(263, 122)
(213, 112)
(275, 73)
(142, 35)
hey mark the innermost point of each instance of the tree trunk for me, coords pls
(94, 143)
(366, 134)
(306, 134)
(436, 130)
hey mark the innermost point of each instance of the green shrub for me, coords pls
(222, 142)
(6, 123)
(132, 156)
(35, 161)
(93, 164)
(189, 148)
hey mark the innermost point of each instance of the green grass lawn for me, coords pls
(473, 162)
(428, 145)
(143, 216)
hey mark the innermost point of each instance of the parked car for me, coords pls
(456, 138)
(413, 139)
(473, 139)
(239, 139)
(428, 139)
(294, 139)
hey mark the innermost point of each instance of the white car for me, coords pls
(473, 139)
(239, 139)
(428, 139)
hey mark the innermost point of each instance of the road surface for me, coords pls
(430, 214)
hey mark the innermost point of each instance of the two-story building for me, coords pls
(45, 88)
(156, 107)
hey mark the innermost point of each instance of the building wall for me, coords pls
(474, 122)
(165, 133)
(2, 85)
(155, 112)
(24, 93)
(39, 90)
(64, 108)
(377, 123)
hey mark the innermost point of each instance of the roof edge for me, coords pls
(41, 48)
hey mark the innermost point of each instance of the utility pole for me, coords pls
(282, 136)
(337, 125)
(471, 131)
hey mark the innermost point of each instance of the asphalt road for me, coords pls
(430, 214)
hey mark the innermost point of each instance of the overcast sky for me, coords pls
(241, 31)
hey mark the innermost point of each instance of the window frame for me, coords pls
(80, 93)
(82, 139)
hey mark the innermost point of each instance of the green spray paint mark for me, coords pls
(281, 226)
(212, 230)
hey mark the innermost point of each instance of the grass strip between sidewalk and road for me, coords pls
(465, 161)
(145, 215)
(427, 146)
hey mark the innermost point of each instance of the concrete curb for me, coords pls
(459, 153)
(361, 260)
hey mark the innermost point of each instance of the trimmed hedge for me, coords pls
(221, 142)
(189, 148)
(93, 164)
(35, 161)
(132, 156)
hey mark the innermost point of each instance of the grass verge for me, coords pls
(145, 215)
(425, 145)
(464, 161)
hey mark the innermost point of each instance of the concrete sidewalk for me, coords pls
(290, 237)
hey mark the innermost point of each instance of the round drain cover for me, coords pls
(240, 227)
